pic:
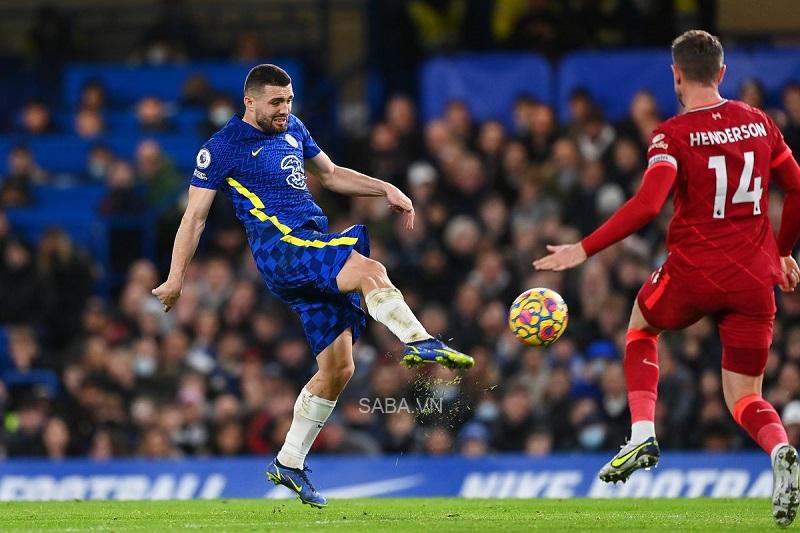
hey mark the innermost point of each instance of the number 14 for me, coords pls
(743, 195)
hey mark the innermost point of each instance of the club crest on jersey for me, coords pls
(291, 140)
(658, 142)
(203, 158)
(297, 178)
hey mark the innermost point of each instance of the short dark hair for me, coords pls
(265, 74)
(699, 55)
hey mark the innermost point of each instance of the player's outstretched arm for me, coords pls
(349, 182)
(186, 239)
(561, 257)
(638, 211)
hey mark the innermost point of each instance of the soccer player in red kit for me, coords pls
(717, 158)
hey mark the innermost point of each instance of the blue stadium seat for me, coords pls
(181, 148)
(774, 68)
(488, 83)
(127, 84)
(79, 198)
(55, 153)
(5, 359)
(612, 78)
(36, 376)
(67, 153)
(124, 120)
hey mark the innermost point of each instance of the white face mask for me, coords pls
(220, 115)
(592, 437)
(98, 170)
(144, 366)
(487, 411)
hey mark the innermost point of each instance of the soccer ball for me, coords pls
(538, 317)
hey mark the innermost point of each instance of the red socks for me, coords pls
(641, 374)
(751, 412)
(761, 421)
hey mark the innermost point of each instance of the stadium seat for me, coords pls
(487, 83)
(612, 78)
(126, 84)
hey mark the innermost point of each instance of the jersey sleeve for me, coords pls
(663, 149)
(310, 148)
(780, 150)
(214, 163)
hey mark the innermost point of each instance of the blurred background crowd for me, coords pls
(98, 370)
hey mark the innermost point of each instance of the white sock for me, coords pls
(774, 452)
(642, 430)
(386, 305)
(310, 414)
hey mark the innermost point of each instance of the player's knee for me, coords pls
(376, 269)
(376, 273)
(643, 334)
(340, 373)
(343, 373)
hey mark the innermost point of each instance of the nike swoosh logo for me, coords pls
(645, 361)
(255, 152)
(619, 461)
(762, 410)
(290, 480)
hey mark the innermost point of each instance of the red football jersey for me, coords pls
(720, 236)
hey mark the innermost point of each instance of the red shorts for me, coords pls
(744, 318)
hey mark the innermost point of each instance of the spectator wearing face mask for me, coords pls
(99, 162)
(220, 110)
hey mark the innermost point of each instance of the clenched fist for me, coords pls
(168, 293)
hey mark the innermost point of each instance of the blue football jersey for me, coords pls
(262, 173)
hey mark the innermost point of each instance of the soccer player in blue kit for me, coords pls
(259, 161)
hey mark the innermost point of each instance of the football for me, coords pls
(538, 317)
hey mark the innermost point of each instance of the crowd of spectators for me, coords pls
(85, 376)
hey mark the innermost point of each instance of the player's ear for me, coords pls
(722, 71)
(248, 102)
(676, 74)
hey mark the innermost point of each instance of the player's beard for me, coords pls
(268, 126)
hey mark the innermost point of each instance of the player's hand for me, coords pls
(168, 293)
(791, 274)
(400, 203)
(561, 257)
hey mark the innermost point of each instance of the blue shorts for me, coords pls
(301, 269)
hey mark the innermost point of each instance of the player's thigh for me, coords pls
(745, 329)
(325, 317)
(361, 273)
(337, 357)
(349, 277)
(639, 322)
(665, 303)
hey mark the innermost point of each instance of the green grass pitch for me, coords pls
(417, 515)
